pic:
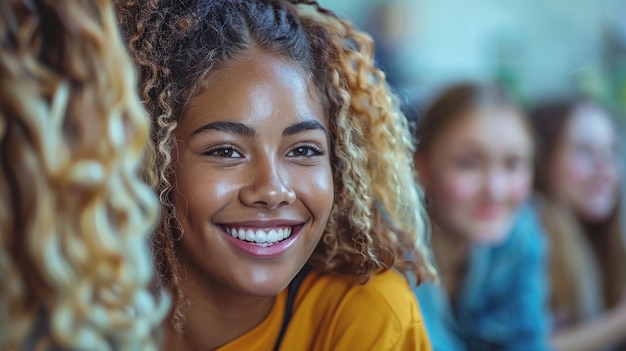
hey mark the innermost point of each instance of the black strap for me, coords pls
(292, 291)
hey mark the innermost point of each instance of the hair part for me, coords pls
(456, 102)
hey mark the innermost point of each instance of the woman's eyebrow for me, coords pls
(228, 127)
(300, 127)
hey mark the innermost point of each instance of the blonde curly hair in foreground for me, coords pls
(75, 215)
(377, 221)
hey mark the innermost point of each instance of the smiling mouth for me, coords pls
(261, 237)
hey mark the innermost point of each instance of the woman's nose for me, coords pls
(268, 186)
(495, 185)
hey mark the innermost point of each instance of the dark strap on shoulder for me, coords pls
(292, 291)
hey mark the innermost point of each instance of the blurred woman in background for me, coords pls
(74, 213)
(579, 175)
(474, 159)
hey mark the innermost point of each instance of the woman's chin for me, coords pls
(263, 283)
(596, 213)
(491, 234)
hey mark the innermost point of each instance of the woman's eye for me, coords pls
(225, 152)
(515, 163)
(469, 163)
(305, 151)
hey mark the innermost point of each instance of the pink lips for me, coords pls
(487, 212)
(269, 251)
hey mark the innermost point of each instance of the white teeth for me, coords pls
(272, 236)
(241, 234)
(260, 236)
(287, 233)
(249, 235)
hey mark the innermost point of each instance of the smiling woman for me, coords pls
(475, 161)
(578, 175)
(253, 159)
(281, 224)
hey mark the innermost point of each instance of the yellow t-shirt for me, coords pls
(332, 314)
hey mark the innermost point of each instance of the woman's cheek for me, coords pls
(577, 171)
(462, 189)
(520, 189)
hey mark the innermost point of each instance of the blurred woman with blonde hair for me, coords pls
(74, 214)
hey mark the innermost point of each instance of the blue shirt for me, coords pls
(502, 302)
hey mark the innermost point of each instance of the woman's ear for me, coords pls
(419, 163)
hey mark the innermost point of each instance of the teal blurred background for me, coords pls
(536, 48)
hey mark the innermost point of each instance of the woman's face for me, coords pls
(477, 172)
(585, 167)
(254, 186)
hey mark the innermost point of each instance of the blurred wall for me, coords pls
(537, 47)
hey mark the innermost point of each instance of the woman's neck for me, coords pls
(451, 254)
(215, 316)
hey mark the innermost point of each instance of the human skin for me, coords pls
(253, 156)
(584, 174)
(585, 166)
(477, 172)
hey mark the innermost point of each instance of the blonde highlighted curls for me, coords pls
(377, 221)
(74, 215)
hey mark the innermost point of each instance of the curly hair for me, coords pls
(75, 214)
(377, 221)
